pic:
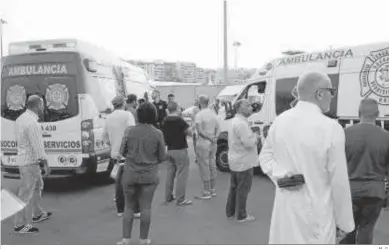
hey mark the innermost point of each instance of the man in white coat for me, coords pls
(304, 141)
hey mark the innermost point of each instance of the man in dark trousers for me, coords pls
(175, 130)
(367, 151)
(243, 157)
(161, 106)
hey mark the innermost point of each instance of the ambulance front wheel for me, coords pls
(222, 157)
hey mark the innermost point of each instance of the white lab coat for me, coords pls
(303, 140)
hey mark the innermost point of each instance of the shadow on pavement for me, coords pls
(74, 184)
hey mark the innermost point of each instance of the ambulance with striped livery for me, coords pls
(77, 82)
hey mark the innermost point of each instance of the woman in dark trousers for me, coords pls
(143, 147)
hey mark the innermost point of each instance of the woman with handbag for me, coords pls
(144, 148)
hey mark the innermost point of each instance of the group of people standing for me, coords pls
(141, 138)
(330, 182)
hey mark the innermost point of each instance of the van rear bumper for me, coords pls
(13, 172)
(55, 172)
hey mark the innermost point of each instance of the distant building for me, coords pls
(200, 75)
(159, 71)
(186, 72)
(170, 72)
(210, 76)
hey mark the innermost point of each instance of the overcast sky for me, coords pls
(192, 30)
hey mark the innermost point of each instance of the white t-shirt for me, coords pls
(115, 126)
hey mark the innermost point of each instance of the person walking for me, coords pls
(161, 106)
(116, 124)
(208, 130)
(304, 156)
(33, 166)
(175, 130)
(367, 152)
(242, 157)
(143, 146)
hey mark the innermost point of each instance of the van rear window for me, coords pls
(52, 76)
(58, 92)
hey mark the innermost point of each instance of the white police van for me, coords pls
(357, 72)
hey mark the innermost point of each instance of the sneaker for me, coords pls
(213, 192)
(42, 217)
(136, 215)
(168, 200)
(145, 241)
(205, 195)
(248, 218)
(120, 214)
(26, 229)
(185, 202)
(124, 242)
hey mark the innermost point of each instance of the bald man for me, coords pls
(304, 156)
(31, 156)
(207, 129)
(367, 151)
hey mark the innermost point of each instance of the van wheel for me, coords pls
(222, 157)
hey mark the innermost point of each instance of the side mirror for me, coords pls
(261, 88)
(90, 65)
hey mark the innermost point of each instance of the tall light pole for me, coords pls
(236, 45)
(225, 57)
(1, 36)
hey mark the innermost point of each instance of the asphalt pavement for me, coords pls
(84, 214)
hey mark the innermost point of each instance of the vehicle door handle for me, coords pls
(258, 122)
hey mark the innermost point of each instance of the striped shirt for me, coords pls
(29, 139)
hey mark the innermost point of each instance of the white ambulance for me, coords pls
(77, 82)
(357, 72)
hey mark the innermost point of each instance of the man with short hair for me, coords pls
(31, 157)
(242, 157)
(208, 130)
(161, 106)
(170, 97)
(367, 151)
(175, 130)
(304, 156)
(131, 105)
(116, 124)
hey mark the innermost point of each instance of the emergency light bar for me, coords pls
(28, 47)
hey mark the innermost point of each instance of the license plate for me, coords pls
(102, 167)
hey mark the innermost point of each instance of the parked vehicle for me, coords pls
(357, 72)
